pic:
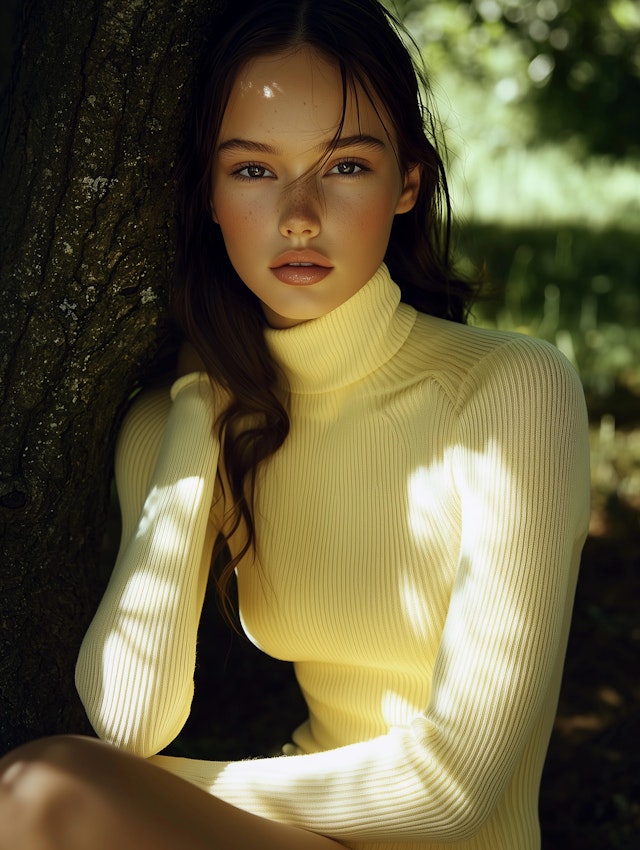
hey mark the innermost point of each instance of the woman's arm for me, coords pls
(135, 669)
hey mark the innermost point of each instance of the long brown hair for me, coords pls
(217, 313)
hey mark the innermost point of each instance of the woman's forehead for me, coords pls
(299, 90)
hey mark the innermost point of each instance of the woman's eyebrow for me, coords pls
(358, 140)
(245, 145)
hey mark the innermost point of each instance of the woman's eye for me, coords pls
(253, 172)
(348, 168)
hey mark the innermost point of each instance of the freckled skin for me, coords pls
(268, 198)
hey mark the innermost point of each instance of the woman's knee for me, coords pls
(42, 760)
(39, 789)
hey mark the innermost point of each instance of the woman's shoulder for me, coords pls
(139, 440)
(147, 413)
(470, 342)
(148, 410)
(465, 357)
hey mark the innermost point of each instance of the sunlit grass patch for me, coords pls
(545, 185)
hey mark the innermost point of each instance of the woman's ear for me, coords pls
(410, 190)
(214, 217)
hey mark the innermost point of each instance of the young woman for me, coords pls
(403, 498)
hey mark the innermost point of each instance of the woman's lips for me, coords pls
(301, 275)
(301, 268)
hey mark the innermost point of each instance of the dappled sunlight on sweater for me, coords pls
(183, 492)
(424, 488)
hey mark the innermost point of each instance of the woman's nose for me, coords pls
(300, 214)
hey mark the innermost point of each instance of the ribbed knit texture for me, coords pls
(418, 534)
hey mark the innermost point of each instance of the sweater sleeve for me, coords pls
(519, 460)
(135, 668)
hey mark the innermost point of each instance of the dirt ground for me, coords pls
(590, 798)
(591, 786)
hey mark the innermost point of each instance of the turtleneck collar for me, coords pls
(346, 344)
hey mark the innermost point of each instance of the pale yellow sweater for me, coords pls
(418, 539)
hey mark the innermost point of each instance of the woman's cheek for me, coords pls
(237, 219)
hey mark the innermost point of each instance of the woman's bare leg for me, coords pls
(71, 793)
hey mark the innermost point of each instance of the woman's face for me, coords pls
(304, 238)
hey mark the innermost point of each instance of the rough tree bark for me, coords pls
(92, 122)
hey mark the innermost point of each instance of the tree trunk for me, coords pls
(92, 117)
